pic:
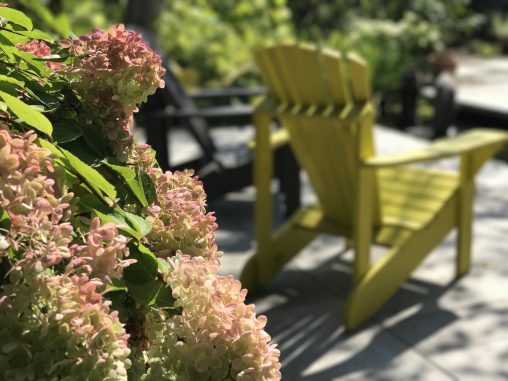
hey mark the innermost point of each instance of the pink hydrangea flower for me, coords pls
(40, 49)
(53, 326)
(102, 255)
(38, 209)
(179, 217)
(216, 336)
(113, 71)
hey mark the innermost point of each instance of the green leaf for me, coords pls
(14, 37)
(79, 148)
(5, 44)
(116, 285)
(135, 227)
(66, 131)
(39, 35)
(31, 60)
(54, 149)
(139, 223)
(5, 219)
(145, 293)
(54, 58)
(16, 17)
(164, 298)
(88, 202)
(10, 85)
(118, 298)
(43, 96)
(126, 173)
(148, 186)
(27, 114)
(96, 142)
(91, 177)
(129, 177)
(145, 269)
(116, 217)
(5, 78)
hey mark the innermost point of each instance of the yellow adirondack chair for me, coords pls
(365, 198)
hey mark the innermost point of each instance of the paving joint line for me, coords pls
(427, 359)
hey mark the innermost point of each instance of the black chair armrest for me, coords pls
(207, 113)
(230, 92)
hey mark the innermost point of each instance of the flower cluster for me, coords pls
(53, 324)
(68, 310)
(217, 336)
(179, 217)
(40, 49)
(102, 255)
(59, 327)
(112, 72)
(38, 210)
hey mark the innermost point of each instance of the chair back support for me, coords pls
(316, 101)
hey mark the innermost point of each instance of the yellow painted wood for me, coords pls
(278, 138)
(465, 214)
(484, 140)
(328, 122)
(288, 241)
(385, 277)
(363, 226)
(359, 78)
(336, 82)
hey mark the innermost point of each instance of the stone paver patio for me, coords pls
(483, 84)
(435, 328)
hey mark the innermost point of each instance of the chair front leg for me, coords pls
(363, 223)
(466, 193)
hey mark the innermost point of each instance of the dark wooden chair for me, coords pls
(173, 106)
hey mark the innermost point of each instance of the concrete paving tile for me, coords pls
(431, 328)
(469, 342)
(315, 347)
(488, 361)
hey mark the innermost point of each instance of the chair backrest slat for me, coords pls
(359, 78)
(325, 141)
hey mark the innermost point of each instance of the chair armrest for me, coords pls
(230, 92)
(278, 138)
(469, 141)
(207, 113)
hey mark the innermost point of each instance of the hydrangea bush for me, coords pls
(108, 265)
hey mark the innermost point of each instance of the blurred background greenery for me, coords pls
(209, 43)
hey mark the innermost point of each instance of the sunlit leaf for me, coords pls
(15, 38)
(10, 85)
(129, 177)
(16, 17)
(27, 114)
(39, 35)
(91, 176)
(50, 146)
(31, 60)
(139, 223)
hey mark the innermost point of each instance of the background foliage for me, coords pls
(210, 43)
